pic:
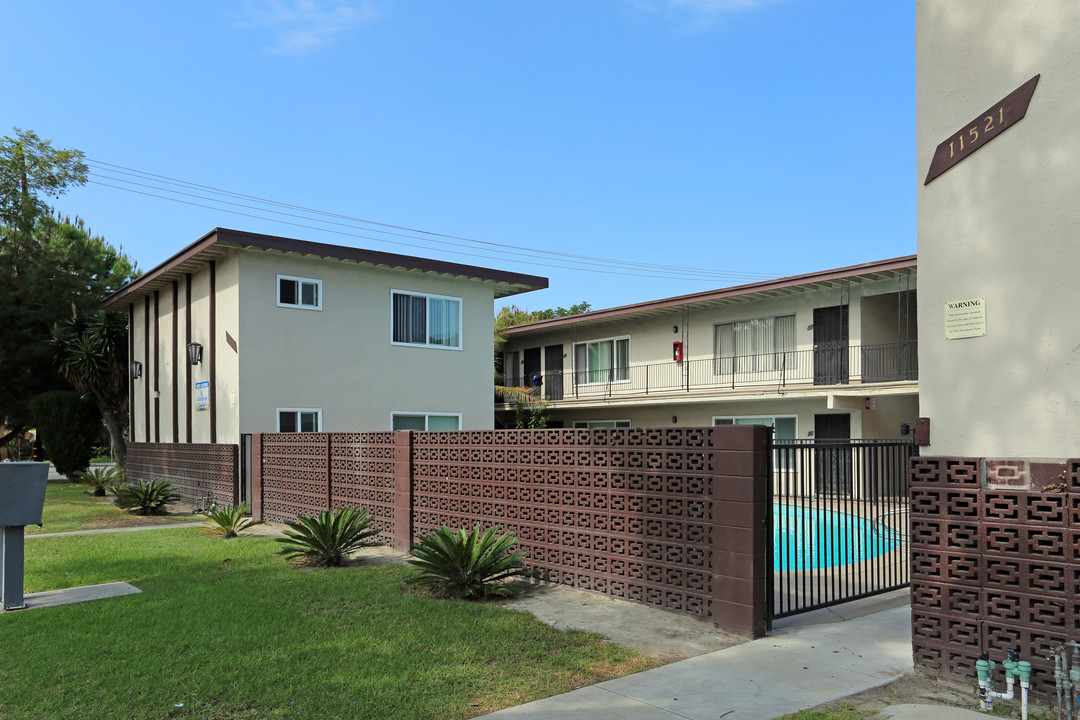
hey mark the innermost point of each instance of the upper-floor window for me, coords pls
(753, 345)
(299, 292)
(429, 320)
(601, 361)
(299, 420)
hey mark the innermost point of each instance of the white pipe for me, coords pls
(1008, 695)
(1024, 700)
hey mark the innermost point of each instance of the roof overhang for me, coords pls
(825, 279)
(220, 241)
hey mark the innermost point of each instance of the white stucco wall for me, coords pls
(1002, 224)
(340, 359)
(170, 356)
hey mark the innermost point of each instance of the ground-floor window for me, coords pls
(425, 421)
(299, 420)
(593, 424)
(785, 427)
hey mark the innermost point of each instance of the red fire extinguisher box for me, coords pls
(676, 351)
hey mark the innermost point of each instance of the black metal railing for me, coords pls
(839, 523)
(886, 362)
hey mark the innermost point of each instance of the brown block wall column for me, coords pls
(403, 489)
(256, 477)
(740, 461)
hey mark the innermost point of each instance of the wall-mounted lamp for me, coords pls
(136, 369)
(194, 353)
(674, 419)
(674, 328)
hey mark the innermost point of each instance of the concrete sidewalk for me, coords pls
(796, 668)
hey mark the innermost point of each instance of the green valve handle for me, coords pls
(1024, 669)
(983, 668)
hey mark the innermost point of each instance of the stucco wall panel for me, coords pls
(1001, 224)
(340, 359)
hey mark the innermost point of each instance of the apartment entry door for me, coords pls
(831, 345)
(553, 372)
(832, 454)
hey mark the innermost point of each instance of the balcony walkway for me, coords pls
(890, 368)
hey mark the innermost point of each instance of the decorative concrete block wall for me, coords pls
(995, 563)
(201, 473)
(670, 517)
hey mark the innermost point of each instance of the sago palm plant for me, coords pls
(99, 479)
(228, 521)
(469, 564)
(327, 538)
(146, 498)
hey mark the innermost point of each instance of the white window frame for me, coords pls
(593, 424)
(427, 316)
(767, 361)
(584, 372)
(425, 414)
(763, 416)
(299, 305)
(318, 417)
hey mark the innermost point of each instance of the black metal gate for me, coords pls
(836, 538)
(244, 480)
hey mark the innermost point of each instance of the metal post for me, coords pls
(11, 574)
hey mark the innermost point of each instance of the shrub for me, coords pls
(228, 521)
(146, 498)
(469, 564)
(68, 425)
(324, 540)
(99, 479)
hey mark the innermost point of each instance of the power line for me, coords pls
(615, 266)
(703, 275)
(368, 237)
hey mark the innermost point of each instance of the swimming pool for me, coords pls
(811, 539)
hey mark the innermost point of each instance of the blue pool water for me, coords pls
(811, 539)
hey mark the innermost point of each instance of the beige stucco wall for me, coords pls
(1002, 225)
(227, 388)
(170, 355)
(340, 359)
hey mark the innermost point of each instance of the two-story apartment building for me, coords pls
(829, 354)
(242, 333)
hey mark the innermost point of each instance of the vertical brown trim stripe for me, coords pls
(176, 358)
(157, 367)
(213, 352)
(189, 392)
(146, 365)
(131, 381)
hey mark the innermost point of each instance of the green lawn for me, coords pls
(68, 507)
(232, 631)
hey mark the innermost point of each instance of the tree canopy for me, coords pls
(52, 269)
(511, 315)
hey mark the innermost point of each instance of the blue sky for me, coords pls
(735, 139)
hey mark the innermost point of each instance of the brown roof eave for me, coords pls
(506, 283)
(793, 281)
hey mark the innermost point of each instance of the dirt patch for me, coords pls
(918, 689)
(661, 635)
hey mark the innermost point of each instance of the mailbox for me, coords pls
(22, 492)
(22, 498)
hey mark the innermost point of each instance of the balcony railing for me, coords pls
(856, 364)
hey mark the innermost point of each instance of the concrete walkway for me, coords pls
(794, 669)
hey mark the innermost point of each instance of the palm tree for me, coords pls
(91, 352)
